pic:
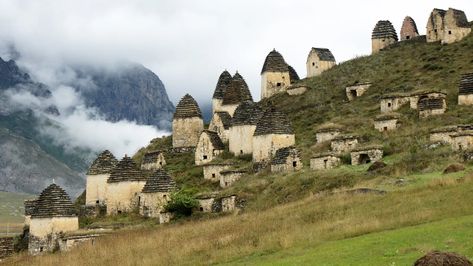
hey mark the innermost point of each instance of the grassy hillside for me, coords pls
(310, 226)
(303, 216)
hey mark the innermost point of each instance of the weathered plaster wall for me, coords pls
(355, 91)
(216, 105)
(186, 132)
(465, 99)
(379, 44)
(392, 104)
(288, 166)
(96, 189)
(297, 90)
(158, 164)
(41, 227)
(216, 125)
(152, 204)
(386, 125)
(462, 142)
(326, 162)
(205, 152)
(265, 146)
(315, 66)
(343, 145)
(241, 139)
(212, 172)
(374, 155)
(228, 178)
(123, 196)
(229, 108)
(273, 83)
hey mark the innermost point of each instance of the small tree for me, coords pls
(182, 202)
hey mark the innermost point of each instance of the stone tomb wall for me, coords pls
(379, 44)
(152, 204)
(366, 156)
(158, 164)
(273, 83)
(386, 125)
(462, 142)
(343, 145)
(216, 125)
(323, 136)
(293, 163)
(96, 189)
(212, 171)
(265, 146)
(227, 178)
(7, 247)
(465, 99)
(355, 91)
(324, 162)
(299, 90)
(392, 104)
(241, 139)
(186, 131)
(123, 196)
(315, 66)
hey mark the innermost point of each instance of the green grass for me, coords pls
(394, 247)
(11, 207)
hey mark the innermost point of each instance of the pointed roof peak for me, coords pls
(187, 108)
(159, 181)
(126, 170)
(274, 62)
(53, 202)
(222, 84)
(103, 164)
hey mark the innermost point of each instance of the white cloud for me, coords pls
(188, 43)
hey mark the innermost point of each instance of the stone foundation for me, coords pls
(324, 162)
(7, 247)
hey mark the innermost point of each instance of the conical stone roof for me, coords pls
(104, 164)
(293, 74)
(187, 108)
(237, 91)
(409, 28)
(159, 181)
(222, 84)
(126, 170)
(273, 122)
(226, 119)
(384, 29)
(324, 54)
(274, 62)
(214, 139)
(466, 84)
(247, 113)
(53, 202)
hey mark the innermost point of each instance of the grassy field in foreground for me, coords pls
(315, 222)
(394, 247)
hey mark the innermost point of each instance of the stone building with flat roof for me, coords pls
(366, 154)
(153, 161)
(286, 159)
(324, 161)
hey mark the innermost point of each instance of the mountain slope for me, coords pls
(131, 92)
(26, 168)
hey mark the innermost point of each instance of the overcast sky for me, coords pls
(189, 43)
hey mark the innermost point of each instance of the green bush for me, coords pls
(182, 203)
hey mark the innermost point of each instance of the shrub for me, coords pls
(182, 203)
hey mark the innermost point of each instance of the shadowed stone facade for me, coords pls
(209, 147)
(328, 132)
(462, 141)
(228, 177)
(222, 84)
(97, 175)
(343, 143)
(447, 26)
(243, 127)
(383, 36)
(393, 102)
(286, 160)
(318, 61)
(124, 186)
(187, 123)
(465, 92)
(324, 161)
(356, 90)
(221, 123)
(212, 203)
(409, 29)
(364, 155)
(156, 194)
(153, 161)
(387, 122)
(276, 75)
(431, 104)
(212, 171)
